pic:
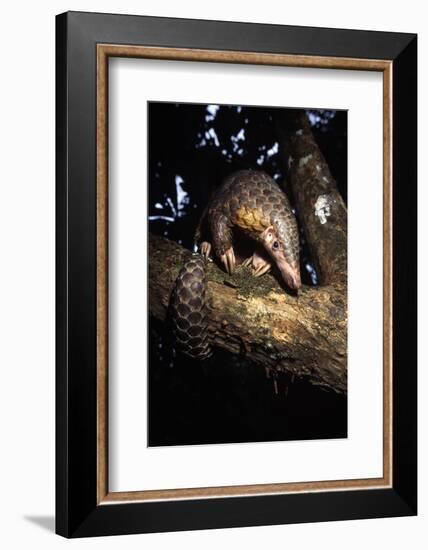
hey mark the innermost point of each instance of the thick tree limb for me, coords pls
(320, 207)
(304, 335)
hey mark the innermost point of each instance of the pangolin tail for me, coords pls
(188, 310)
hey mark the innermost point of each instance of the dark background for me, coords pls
(227, 399)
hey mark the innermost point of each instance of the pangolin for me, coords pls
(248, 203)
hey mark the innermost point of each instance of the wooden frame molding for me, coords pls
(104, 52)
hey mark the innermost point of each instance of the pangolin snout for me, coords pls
(290, 275)
(294, 281)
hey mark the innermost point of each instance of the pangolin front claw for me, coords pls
(262, 269)
(258, 262)
(228, 259)
(205, 249)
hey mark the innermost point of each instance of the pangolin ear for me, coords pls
(268, 235)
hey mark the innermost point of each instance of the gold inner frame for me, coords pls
(104, 51)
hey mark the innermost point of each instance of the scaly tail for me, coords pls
(189, 310)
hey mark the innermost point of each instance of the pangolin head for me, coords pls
(279, 239)
(284, 254)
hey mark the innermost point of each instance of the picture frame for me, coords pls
(84, 44)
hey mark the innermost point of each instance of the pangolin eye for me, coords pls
(275, 245)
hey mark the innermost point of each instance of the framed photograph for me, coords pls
(236, 274)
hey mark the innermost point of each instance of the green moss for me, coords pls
(244, 281)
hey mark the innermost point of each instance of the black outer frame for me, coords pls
(77, 513)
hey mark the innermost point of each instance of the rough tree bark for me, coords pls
(304, 334)
(320, 207)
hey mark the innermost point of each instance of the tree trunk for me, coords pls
(257, 318)
(320, 207)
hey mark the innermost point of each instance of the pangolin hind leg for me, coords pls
(202, 236)
(205, 248)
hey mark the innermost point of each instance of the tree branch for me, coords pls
(304, 335)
